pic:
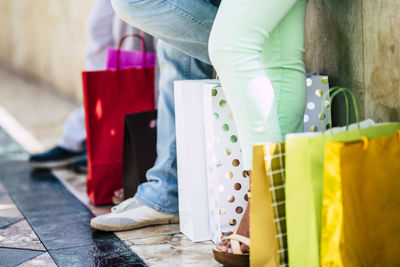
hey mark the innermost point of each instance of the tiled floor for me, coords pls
(18, 242)
(63, 227)
(42, 224)
(39, 215)
(172, 248)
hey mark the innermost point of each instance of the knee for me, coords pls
(226, 52)
(218, 50)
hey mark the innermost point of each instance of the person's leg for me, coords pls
(70, 149)
(156, 201)
(119, 29)
(99, 34)
(257, 49)
(185, 24)
(74, 131)
(161, 190)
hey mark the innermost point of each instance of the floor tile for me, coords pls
(8, 209)
(19, 176)
(37, 192)
(5, 199)
(2, 189)
(61, 221)
(39, 261)
(102, 254)
(47, 203)
(153, 240)
(15, 157)
(173, 250)
(149, 231)
(76, 184)
(64, 231)
(20, 235)
(10, 148)
(7, 221)
(13, 257)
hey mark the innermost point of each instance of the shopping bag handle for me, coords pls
(365, 142)
(142, 48)
(335, 91)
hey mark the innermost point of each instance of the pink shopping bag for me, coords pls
(129, 58)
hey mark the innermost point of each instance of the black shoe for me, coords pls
(80, 166)
(56, 158)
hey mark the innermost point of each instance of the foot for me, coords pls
(131, 214)
(118, 196)
(224, 244)
(57, 157)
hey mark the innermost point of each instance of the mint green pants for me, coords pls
(257, 47)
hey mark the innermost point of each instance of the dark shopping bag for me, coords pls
(108, 96)
(140, 138)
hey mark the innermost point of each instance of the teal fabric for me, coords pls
(257, 47)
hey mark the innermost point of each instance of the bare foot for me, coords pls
(118, 196)
(224, 244)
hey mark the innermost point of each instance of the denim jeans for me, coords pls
(160, 192)
(193, 24)
(185, 24)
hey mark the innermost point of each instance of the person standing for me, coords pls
(256, 47)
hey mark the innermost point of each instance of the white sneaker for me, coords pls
(131, 214)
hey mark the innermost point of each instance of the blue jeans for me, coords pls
(160, 192)
(185, 24)
(191, 20)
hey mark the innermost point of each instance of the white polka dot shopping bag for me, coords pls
(227, 183)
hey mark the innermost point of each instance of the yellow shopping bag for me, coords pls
(267, 207)
(361, 203)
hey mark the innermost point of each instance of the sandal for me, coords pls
(237, 258)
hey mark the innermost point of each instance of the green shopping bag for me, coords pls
(304, 181)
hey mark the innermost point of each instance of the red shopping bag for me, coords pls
(108, 96)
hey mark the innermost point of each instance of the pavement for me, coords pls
(44, 215)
